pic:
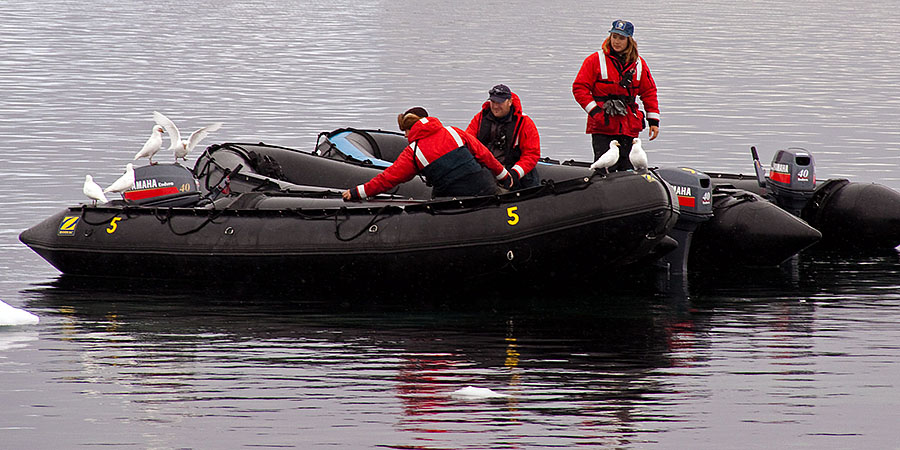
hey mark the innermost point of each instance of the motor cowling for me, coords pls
(694, 192)
(163, 185)
(792, 179)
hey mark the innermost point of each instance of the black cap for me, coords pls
(500, 93)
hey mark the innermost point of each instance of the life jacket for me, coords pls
(430, 141)
(501, 137)
(603, 80)
(456, 173)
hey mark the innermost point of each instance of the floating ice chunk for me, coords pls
(16, 316)
(476, 393)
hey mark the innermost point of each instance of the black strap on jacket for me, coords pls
(510, 153)
(627, 99)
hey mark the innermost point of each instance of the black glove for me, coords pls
(514, 174)
(615, 107)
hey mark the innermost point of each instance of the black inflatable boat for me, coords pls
(724, 216)
(261, 211)
(730, 224)
(856, 217)
(254, 209)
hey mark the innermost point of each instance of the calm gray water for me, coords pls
(804, 356)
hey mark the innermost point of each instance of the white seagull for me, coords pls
(638, 156)
(93, 191)
(609, 158)
(153, 144)
(183, 146)
(124, 183)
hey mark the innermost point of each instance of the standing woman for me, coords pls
(607, 87)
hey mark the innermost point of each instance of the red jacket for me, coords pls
(598, 78)
(429, 140)
(527, 138)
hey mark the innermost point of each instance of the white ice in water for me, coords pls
(15, 316)
(475, 393)
(11, 340)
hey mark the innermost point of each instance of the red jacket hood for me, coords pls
(517, 103)
(419, 130)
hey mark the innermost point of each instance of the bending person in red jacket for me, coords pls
(453, 162)
(510, 135)
(606, 87)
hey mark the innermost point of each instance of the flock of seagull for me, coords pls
(609, 158)
(180, 146)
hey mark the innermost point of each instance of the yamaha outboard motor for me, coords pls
(164, 185)
(694, 192)
(792, 179)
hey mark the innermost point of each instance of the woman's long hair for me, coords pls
(630, 52)
(409, 118)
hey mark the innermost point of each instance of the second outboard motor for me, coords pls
(792, 179)
(694, 192)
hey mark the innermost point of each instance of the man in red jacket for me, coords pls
(606, 88)
(509, 134)
(453, 162)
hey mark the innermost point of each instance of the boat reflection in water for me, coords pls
(595, 360)
(174, 351)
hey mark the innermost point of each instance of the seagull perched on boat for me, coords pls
(183, 146)
(609, 158)
(124, 183)
(93, 191)
(153, 144)
(638, 156)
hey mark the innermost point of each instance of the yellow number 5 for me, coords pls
(513, 217)
(113, 225)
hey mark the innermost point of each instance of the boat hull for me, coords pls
(747, 230)
(852, 216)
(737, 223)
(573, 226)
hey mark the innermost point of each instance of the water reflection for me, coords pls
(178, 347)
(602, 366)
